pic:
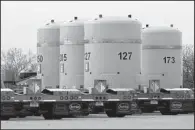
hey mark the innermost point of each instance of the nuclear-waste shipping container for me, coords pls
(113, 53)
(71, 54)
(48, 52)
(162, 57)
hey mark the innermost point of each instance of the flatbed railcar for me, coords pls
(167, 101)
(62, 103)
(10, 106)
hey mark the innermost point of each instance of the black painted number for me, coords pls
(169, 59)
(87, 55)
(39, 58)
(125, 55)
(63, 57)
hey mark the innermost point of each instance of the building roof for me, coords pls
(6, 90)
(26, 79)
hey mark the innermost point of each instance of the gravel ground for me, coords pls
(101, 121)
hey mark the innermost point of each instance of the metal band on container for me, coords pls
(57, 44)
(161, 47)
(137, 41)
(79, 42)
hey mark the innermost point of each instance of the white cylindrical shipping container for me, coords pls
(113, 55)
(162, 57)
(48, 52)
(71, 54)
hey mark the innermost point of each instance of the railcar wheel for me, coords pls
(37, 114)
(174, 113)
(147, 110)
(57, 117)
(69, 116)
(164, 112)
(47, 116)
(21, 116)
(85, 114)
(167, 112)
(121, 115)
(110, 113)
(184, 112)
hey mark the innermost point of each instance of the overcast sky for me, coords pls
(20, 20)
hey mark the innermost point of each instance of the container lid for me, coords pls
(51, 25)
(113, 19)
(160, 29)
(75, 22)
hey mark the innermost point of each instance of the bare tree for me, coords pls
(188, 65)
(17, 61)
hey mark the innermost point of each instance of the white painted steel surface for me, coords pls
(48, 34)
(71, 70)
(48, 55)
(49, 66)
(72, 32)
(113, 52)
(113, 28)
(71, 54)
(162, 56)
